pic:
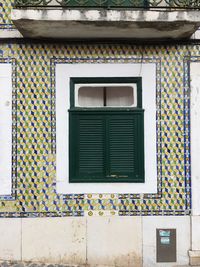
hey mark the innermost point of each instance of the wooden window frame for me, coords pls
(105, 112)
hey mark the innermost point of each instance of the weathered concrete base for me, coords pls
(90, 241)
(32, 264)
(182, 226)
(39, 264)
(194, 257)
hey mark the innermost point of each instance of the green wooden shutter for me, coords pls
(125, 147)
(87, 147)
(106, 146)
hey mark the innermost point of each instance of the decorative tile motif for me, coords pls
(5, 11)
(34, 133)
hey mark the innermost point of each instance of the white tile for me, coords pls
(10, 239)
(182, 226)
(115, 241)
(55, 240)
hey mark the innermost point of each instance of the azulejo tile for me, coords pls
(34, 133)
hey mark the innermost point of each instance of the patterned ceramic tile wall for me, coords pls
(5, 14)
(34, 184)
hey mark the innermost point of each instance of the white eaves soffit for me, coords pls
(94, 24)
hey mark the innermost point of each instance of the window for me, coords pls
(106, 138)
(105, 95)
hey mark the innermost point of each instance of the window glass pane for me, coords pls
(90, 97)
(107, 96)
(119, 96)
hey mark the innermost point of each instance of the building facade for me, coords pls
(100, 134)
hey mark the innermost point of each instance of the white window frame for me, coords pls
(6, 129)
(66, 71)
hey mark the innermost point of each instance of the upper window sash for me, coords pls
(106, 97)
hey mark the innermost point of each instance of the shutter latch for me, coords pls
(117, 176)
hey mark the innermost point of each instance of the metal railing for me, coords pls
(165, 4)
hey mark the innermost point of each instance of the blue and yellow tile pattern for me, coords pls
(34, 134)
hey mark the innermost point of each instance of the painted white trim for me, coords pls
(63, 73)
(195, 139)
(10, 33)
(5, 128)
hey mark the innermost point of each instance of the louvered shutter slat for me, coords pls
(91, 146)
(107, 146)
(125, 146)
(88, 147)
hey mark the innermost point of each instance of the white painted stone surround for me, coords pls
(195, 166)
(96, 241)
(63, 73)
(195, 135)
(5, 128)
